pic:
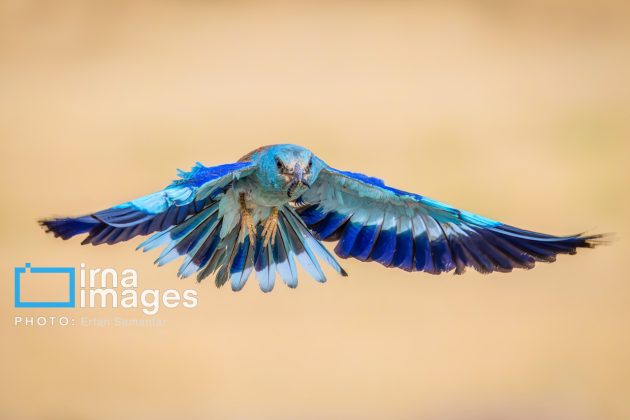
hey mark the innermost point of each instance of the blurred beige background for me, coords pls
(519, 111)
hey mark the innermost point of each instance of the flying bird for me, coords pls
(271, 209)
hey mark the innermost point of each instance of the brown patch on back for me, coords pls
(248, 156)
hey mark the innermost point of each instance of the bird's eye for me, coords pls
(310, 163)
(279, 164)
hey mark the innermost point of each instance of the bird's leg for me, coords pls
(270, 227)
(247, 222)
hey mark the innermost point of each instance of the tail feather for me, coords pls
(242, 265)
(302, 251)
(227, 256)
(239, 258)
(285, 264)
(187, 236)
(264, 265)
(215, 261)
(310, 242)
(200, 251)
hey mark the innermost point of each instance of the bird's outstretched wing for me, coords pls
(198, 217)
(374, 222)
(188, 195)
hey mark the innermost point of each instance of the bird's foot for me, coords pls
(270, 228)
(247, 222)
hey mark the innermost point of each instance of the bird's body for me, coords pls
(278, 202)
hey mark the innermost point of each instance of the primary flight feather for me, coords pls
(270, 210)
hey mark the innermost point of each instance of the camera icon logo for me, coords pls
(36, 277)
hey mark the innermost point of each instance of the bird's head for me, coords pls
(289, 168)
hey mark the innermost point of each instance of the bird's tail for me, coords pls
(235, 256)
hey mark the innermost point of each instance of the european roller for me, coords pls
(271, 210)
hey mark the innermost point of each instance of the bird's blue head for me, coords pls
(287, 168)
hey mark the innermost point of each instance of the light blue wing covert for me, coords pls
(374, 222)
(186, 196)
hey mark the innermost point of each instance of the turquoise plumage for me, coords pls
(270, 211)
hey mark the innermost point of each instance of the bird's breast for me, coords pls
(257, 195)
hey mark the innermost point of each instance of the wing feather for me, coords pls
(374, 222)
(184, 197)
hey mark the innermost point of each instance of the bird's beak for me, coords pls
(298, 175)
(297, 180)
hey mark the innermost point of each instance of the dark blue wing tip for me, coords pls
(49, 227)
(591, 241)
(66, 228)
(579, 240)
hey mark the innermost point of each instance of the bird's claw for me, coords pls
(247, 222)
(270, 227)
(247, 226)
